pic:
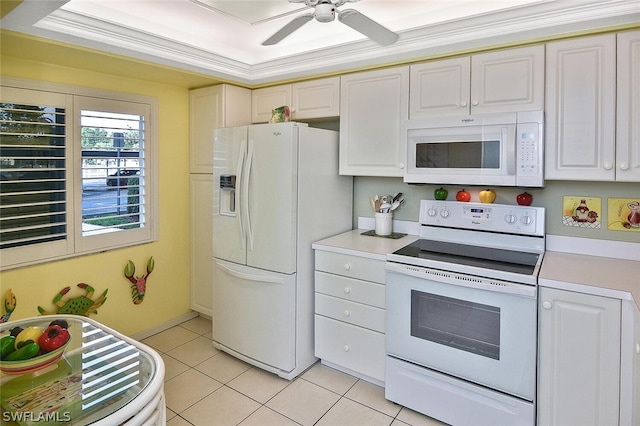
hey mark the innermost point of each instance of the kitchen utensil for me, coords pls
(384, 208)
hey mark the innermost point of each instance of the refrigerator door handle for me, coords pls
(245, 195)
(240, 178)
(250, 277)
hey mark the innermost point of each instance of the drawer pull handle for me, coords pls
(347, 313)
(347, 290)
(347, 266)
(347, 348)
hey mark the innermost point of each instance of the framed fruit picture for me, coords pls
(582, 212)
(624, 214)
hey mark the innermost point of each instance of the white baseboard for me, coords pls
(164, 326)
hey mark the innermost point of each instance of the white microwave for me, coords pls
(489, 149)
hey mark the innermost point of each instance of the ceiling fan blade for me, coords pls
(296, 23)
(367, 26)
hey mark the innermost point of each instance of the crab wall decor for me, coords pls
(9, 305)
(81, 305)
(138, 284)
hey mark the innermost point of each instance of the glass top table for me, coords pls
(100, 377)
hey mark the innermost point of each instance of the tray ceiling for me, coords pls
(223, 39)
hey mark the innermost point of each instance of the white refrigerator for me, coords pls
(277, 190)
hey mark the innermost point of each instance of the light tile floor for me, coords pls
(204, 386)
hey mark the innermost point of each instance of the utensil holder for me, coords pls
(384, 223)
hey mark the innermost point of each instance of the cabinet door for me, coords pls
(266, 99)
(201, 245)
(205, 114)
(508, 80)
(209, 108)
(579, 359)
(580, 109)
(440, 88)
(373, 108)
(316, 99)
(628, 113)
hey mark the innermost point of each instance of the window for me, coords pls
(76, 174)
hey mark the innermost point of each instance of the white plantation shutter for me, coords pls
(113, 172)
(77, 172)
(35, 210)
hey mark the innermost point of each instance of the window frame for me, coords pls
(73, 99)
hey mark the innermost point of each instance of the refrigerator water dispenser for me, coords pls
(228, 195)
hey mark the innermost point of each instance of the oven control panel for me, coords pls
(525, 220)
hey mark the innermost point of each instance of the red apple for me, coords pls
(524, 199)
(463, 196)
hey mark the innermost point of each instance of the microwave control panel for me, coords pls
(529, 155)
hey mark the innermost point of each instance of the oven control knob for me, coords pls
(445, 213)
(526, 219)
(431, 212)
(510, 218)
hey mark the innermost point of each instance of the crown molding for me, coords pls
(542, 21)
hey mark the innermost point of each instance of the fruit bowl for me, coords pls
(33, 364)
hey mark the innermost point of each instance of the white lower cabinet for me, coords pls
(579, 359)
(349, 314)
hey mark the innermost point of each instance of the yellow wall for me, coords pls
(167, 294)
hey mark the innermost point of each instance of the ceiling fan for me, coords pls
(325, 11)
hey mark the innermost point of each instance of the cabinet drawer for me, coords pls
(352, 347)
(350, 289)
(351, 312)
(350, 266)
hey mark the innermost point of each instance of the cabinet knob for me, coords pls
(475, 103)
(546, 305)
(607, 166)
(624, 166)
(347, 313)
(347, 290)
(347, 266)
(401, 165)
(346, 348)
(463, 104)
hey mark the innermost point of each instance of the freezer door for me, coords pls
(229, 157)
(272, 165)
(254, 314)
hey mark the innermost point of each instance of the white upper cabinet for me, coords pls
(209, 108)
(307, 100)
(373, 108)
(628, 112)
(265, 99)
(502, 81)
(316, 99)
(581, 109)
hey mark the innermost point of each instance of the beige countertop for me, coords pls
(604, 276)
(353, 242)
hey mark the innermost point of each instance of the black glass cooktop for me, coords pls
(481, 257)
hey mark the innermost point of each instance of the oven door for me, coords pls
(481, 331)
(480, 154)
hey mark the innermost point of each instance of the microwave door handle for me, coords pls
(511, 150)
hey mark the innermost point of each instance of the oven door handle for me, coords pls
(463, 280)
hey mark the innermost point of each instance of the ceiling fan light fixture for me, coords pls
(325, 12)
